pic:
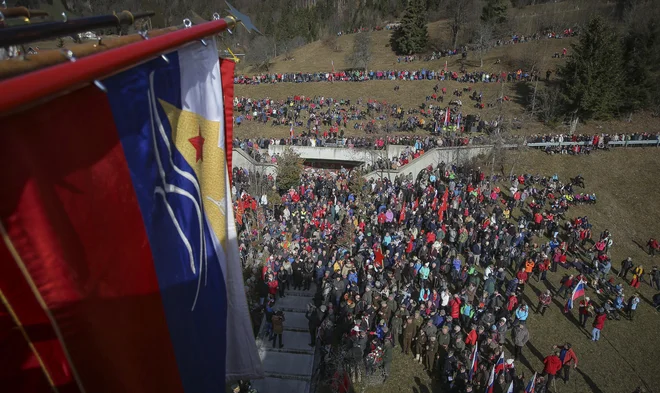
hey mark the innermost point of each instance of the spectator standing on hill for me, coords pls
(626, 265)
(632, 306)
(552, 364)
(545, 299)
(599, 323)
(568, 359)
(520, 338)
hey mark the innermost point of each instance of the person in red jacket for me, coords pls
(455, 306)
(599, 323)
(568, 358)
(552, 365)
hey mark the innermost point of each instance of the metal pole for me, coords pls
(35, 87)
(18, 35)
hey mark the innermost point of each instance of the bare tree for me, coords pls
(262, 51)
(459, 15)
(361, 52)
(482, 40)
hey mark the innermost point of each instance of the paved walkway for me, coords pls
(289, 369)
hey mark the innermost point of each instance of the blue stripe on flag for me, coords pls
(198, 336)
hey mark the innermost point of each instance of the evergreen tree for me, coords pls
(289, 170)
(494, 11)
(590, 81)
(412, 36)
(641, 57)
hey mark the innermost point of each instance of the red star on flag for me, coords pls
(198, 144)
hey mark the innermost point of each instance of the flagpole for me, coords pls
(38, 86)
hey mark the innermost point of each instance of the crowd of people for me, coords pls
(462, 76)
(435, 267)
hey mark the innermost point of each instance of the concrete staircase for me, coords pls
(288, 369)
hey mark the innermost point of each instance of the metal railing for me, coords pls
(632, 143)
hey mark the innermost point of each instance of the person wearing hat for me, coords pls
(431, 354)
(420, 345)
(388, 355)
(568, 359)
(408, 334)
(397, 327)
(444, 337)
(545, 299)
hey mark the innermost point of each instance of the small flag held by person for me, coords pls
(531, 385)
(490, 388)
(500, 365)
(578, 291)
(474, 362)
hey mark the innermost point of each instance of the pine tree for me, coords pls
(412, 36)
(590, 81)
(641, 57)
(494, 11)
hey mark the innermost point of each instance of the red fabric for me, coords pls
(552, 365)
(70, 211)
(455, 306)
(227, 76)
(599, 321)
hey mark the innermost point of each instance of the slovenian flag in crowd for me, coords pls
(531, 385)
(458, 122)
(578, 291)
(490, 388)
(510, 389)
(447, 117)
(474, 362)
(117, 211)
(500, 364)
(291, 131)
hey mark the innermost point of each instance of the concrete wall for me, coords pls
(448, 155)
(340, 153)
(243, 160)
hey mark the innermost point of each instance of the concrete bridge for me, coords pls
(435, 156)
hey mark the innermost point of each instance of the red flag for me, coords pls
(402, 216)
(416, 204)
(101, 259)
(434, 204)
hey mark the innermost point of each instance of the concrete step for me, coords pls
(291, 365)
(296, 320)
(280, 385)
(293, 341)
(293, 303)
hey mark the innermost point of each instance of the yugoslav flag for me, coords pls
(500, 365)
(120, 263)
(474, 362)
(490, 388)
(531, 385)
(578, 291)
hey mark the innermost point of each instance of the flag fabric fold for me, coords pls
(531, 385)
(578, 292)
(119, 233)
(490, 387)
(474, 362)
